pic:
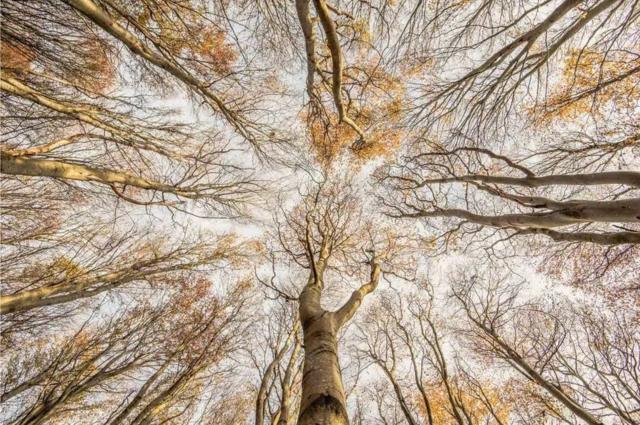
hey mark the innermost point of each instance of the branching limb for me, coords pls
(607, 238)
(69, 171)
(337, 60)
(103, 19)
(348, 309)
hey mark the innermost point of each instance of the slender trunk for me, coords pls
(22, 387)
(137, 399)
(45, 296)
(557, 393)
(417, 377)
(43, 411)
(404, 406)
(161, 401)
(528, 371)
(82, 287)
(263, 391)
(23, 166)
(292, 370)
(621, 211)
(323, 399)
(629, 178)
(304, 17)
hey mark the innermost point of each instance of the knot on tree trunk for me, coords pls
(324, 410)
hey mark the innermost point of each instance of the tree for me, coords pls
(423, 191)
(56, 259)
(515, 143)
(415, 350)
(327, 233)
(159, 365)
(79, 275)
(64, 118)
(166, 360)
(541, 343)
(197, 199)
(519, 47)
(83, 159)
(155, 39)
(279, 367)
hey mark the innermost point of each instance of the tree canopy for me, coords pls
(320, 212)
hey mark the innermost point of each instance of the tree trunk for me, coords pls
(530, 372)
(289, 376)
(263, 391)
(323, 399)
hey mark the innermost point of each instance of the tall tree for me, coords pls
(328, 236)
(549, 346)
(501, 137)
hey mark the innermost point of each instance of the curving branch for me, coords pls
(83, 113)
(605, 238)
(24, 166)
(349, 308)
(628, 178)
(104, 20)
(304, 18)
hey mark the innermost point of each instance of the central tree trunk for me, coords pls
(323, 400)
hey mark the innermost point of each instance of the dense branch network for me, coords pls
(454, 229)
(426, 187)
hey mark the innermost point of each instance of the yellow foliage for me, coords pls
(66, 267)
(331, 139)
(189, 35)
(378, 118)
(361, 27)
(589, 83)
(468, 397)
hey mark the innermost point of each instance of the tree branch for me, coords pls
(348, 309)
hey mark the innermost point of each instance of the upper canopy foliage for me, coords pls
(450, 187)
